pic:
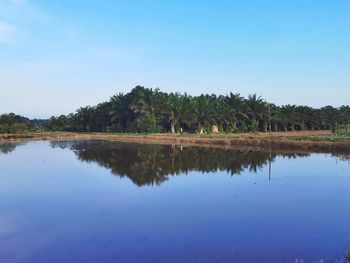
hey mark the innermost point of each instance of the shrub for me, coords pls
(254, 126)
(4, 128)
(18, 127)
(343, 130)
(146, 123)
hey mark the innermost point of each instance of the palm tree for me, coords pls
(238, 109)
(119, 111)
(142, 100)
(84, 115)
(182, 112)
(258, 110)
(201, 107)
(154, 110)
(289, 118)
(329, 116)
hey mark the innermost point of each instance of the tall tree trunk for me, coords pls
(172, 127)
(172, 123)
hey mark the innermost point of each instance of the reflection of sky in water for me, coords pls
(5, 227)
(55, 208)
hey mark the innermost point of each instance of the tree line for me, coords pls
(146, 110)
(12, 123)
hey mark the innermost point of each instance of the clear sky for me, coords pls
(57, 55)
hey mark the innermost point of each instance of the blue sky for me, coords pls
(57, 55)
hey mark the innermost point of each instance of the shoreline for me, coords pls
(319, 141)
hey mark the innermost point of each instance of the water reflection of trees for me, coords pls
(147, 164)
(9, 147)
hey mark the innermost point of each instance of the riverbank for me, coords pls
(317, 141)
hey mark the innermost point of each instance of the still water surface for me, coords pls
(90, 201)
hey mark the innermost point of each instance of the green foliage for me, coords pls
(147, 110)
(343, 130)
(4, 128)
(254, 126)
(57, 123)
(146, 123)
(232, 127)
(18, 128)
(12, 123)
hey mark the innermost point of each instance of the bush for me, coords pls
(18, 127)
(146, 123)
(232, 127)
(4, 128)
(343, 130)
(254, 126)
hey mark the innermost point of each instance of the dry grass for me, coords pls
(321, 141)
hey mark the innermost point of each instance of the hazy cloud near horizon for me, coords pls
(56, 56)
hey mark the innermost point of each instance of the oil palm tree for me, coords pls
(238, 109)
(258, 110)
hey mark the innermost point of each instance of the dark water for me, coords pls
(119, 202)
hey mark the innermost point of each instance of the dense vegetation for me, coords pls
(12, 123)
(343, 130)
(148, 110)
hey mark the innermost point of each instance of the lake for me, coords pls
(99, 201)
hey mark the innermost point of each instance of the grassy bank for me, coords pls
(318, 141)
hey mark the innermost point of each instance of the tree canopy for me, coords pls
(12, 123)
(146, 110)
